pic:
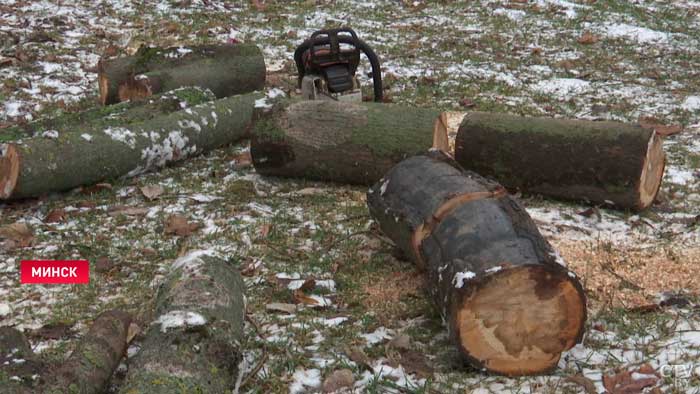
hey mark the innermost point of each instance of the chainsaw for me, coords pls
(327, 63)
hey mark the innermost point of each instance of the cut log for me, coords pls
(19, 367)
(40, 165)
(194, 344)
(90, 366)
(600, 162)
(226, 70)
(509, 303)
(120, 114)
(342, 142)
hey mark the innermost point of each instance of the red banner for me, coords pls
(55, 272)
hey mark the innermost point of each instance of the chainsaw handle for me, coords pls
(318, 39)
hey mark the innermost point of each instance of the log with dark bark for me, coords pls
(90, 366)
(97, 152)
(226, 70)
(509, 303)
(342, 142)
(600, 162)
(194, 344)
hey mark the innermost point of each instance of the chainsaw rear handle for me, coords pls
(319, 39)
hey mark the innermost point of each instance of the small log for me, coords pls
(41, 165)
(599, 162)
(226, 70)
(89, 368)
(509, 303)
(194, 344)
(342, 142)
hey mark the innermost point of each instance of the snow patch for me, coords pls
(460, 277)
(176, 319)
(86, 137)
(302, 378)
(122, 134)
(639, 34)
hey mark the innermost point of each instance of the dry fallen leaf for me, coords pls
(52, 331)
(588, 38)
(650, 122)
(56, 215)
(96, 188)
(243, 160)
(152, 192)
(16, 235)
(128, 211)
(624, 383)
(178, 225)
(301, 298)
(337, 380)
(280, 307)
(132, 332)
(358, 356)
(265, 230)
(587, 384)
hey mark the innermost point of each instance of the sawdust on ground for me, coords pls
(625, 276)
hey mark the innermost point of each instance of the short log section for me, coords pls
(509, 303)
(350, 143)
(608, 163)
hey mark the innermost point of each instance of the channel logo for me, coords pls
(65, 272)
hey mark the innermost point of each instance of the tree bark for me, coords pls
(194, 345)
(342, 142)
(510, 305)
(40, 165)
(226, 70)
(18, 360)
(90, 366)
(600, 162)
(120, 114)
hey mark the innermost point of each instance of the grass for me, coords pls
(327, 235)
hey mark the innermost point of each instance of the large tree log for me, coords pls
(226, 70)
(342, 142)
(194, 344)
(40, 165)
(601, 162)
(121, 114)
(509, 303)
(90, 366)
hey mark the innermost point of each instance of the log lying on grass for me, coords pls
(86, 371)
(342, 142)
(194, 344)
(226, 70)
(19, 366)
(91, 365)
(601, 162)
(97, 152)
(510, 304)
(121, 114)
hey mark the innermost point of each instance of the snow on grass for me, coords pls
(641, 35)
(304, 379)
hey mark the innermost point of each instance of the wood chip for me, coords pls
(151, 192)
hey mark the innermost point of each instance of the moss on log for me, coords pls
(509, 303)
(226, 70)
(89, 368)
(40, 165)
(194, 344)
(342, 142)
(600, 162)
(121, 114)
(19, 367)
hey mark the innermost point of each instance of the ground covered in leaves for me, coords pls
(331, 305)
